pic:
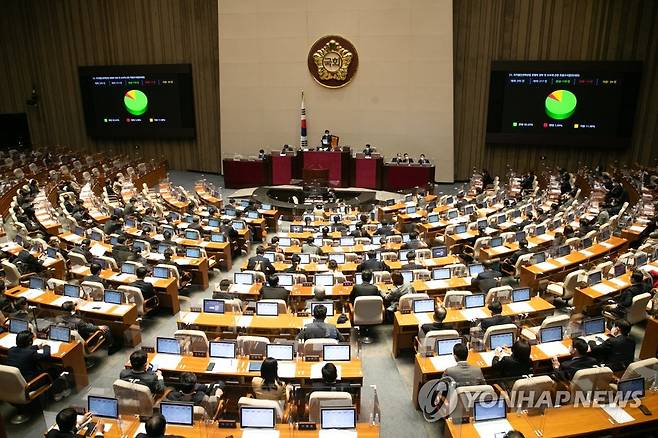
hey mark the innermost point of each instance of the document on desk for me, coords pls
(424, 318)
(551, 349)
(545, 266)
(443, 362)
(224, 365)
(97, 306)
(166, 361)
(475, 313)
(618, 414)
(97, 250)
(8, 341)
(316, 370)
(491, 429)
(487, 356)
(57, 302)
(619, 282)
(241, 288)
(140, 429)
(603, 288)
(260, 433)
(155, 256)
(607, 244)
(337, 433)
(562, 261)
(587, 253)
(189, 317)
(183, 261)
(287, 370)
(81, 269)
(120, 309)
(521, 307)
(54, 345)
(31, 294)
(121, 277)
(244, 321)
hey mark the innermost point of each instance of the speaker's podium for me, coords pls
(282, 167)
(367, 171)
(336, 162)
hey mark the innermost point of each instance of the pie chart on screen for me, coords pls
(560, 104)
(136, 102)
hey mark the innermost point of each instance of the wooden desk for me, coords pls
(650, 340)
(272, 219)
(455, 239)
(298, 292)
(586, 296)
(428, 263)
(206, 196)
(406, 326)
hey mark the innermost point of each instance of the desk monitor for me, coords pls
(405, 237)
(254, 367)
(191, 234)
(540, 230)
(193, 253)
(460, 229)
(411, 209)
(280, 351)
(329, 307)
(594, 278)
(539, 257)
(244, 203)
(266, 207)
(640, 259)
(318, 241)
(285, 280)
(472, 301)
(188, 218)
(129, 223)
(603, 235)
(167, 345)
(285, 242)
(496, 241)
(450, 200)
(178, 413)
(519, 236)
(474, 269)
(520, 294)
(444, 347)
(439, 251)
(347, 241)
(260, 418)
(631, 388)
(304, 258)
(408, 276)
(324, 279)
(488, 410)
(72, 291)
(409, 197)
(550, 334)
(112, 296)
(214, 222)
(222, 349)
(433, 218)
(586, 242)
(37, 283)
(358, 278)
(266, 308)
(51, 252)
(230, 212)
(593, 326)
(139, 244)
(160, 272)
(105, 407)
(217, 237)
(515, 213)
(336, 352)
(390, 202)
(243, 278)
(253, 214)
(619, 269)
(59, 333)
(441, 274)
(238, 225)
(402, 255)
(501, 340)
(213, 306)
(296, 228)
(128, 268)
(271, 256)
(338, 418)
(18, 325)
(501, 219)
(469, 209)
(78, 230)
(338, 257)
(563, 251)
(425, 305)
(482, 224)
(163, 247)
(114, 240)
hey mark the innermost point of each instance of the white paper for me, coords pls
(156, 256)
(119, 309)
(8, 341)
(619, 282)
(545, 266)
(31, 294)
(61, 300)
(551, 349)
(475, 313)
(189, 317)
(316, 370)
(337, 433)
(260, 433)
(183, 261)
(244, 321)
(437, 284)
(522, 307)
(424, 318)
(562, 261)
(97, 250)
(80, 269)
(287, 370)
(241, 288)
(225, 365)
(140, 429)
(490, 429)
(166, 361)
(54, 345)
(593, 338)
(441, 363)
(151, 280)
(607, 244)
(637, 228)
(603, 288)
(586, 253)
(617, 414)
(122, 277)
(487, 356)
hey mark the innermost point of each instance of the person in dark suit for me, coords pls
(155, 428)
(273, 291)
(496, 308)
(366, 288)
(325, 143)
(413, 242)
(66, 420)
(294, 265)
(486, 279)
(618, 350)
(95, 271)
(260, 263)
(329, 380)
(147, 289)
(620, 305)
(385, 230)
(440, 314)
(411, 262)
(371, 264)
(121, 252)
(580, 360)
(113, 225)
(512, 367)
(463, 373)
(27, 262)
(140, 375)
(318, 328)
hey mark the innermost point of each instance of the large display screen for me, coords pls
(138, 101)
(563, 103)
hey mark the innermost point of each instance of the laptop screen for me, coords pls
(519, 236)
(408, 276)
(71, 291)
(620, 269)
(444, 346)
(501, 340)
(284, 241)
(128, 268)
(112, 296)
(338, 257)
(338, 418)
(488, 410)
(191, 234)
(253, 215)
(433, 218)
(217, 237)
(51, 252)
(59, 333)
(269, 255)
(441, 274)
(540, 257)
(411, 209)
(280, 351)
(285, 279)
(563, 250)
(496, 241)
(212, 222)
(475, 269)
(324, 280)
(160, 272)
(469, 209)
(521, 294)
(222, 349)
(550, 334)
(439, 251)
(347, 241)
(640, 259)
(266, 207)
(167, 345)
(230, 212)
(304, 258)
(255, 366)
(193, 253)
(130, 223)
(476, 300)
(631, 388)
(594, 326)
(261, 418)
(238, 225)
(105, 407)
(594, 278)
(328, 306)
(540, 230)
(37, 283)
(243, 278)
(178, 413)
(340, 352)
(358, 279)
(586, 242)
(402, 255)
(18, 325)
(296, 228)
(318, 241)
(213, 306)
(423, 306)
(267, 308)
(459, 229)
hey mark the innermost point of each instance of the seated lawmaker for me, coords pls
(155, 427)
(464, 374)
(440, 314)
(618, 351)
(411, 262)
(73, 320)
(261, 263)
(423, 160)
(514, 366)
(95, 271)
(268, 386)
(400, 288)
(189, 391)
(413, 242)
(580, 360)
(318, 328)
(329, 380)
(147, 289)
(138, 373)
(371, 263)
(496, 318)
(66, 420)
(622, 303)
(272, 291)
(366, 288)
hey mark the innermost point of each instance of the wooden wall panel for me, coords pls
(597, 30)
(46, 41)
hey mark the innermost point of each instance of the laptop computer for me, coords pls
(594, 278)
(423, 306)
(280, 351)
(444, 347)
(105, 407)
(193, 253)
(128, 268)
(324, 280)
(475, 300)
(336, 352)
(37, 283)
(167, 345)
(257, 418)
(181, 414)
(18, 325)
(160, 272)
(338, 418)
(474, 269)
(222, 349)
(489, 410)
(328, 306)
(441, 274)
(631, 388)
(213, 306)
(243, 278)
(267, 308)
(501, 340)
(112, 296)
(59, 333)
(520, 294)
(550, 334)
(72, 291)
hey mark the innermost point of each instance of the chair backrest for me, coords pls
(555, 321)
(394, 238)
(638, 310)
(389, 256)
(500, 293)
(281, 305)
(11, 273)
(134, 296)
(134, 399)
(571, 283)
(406, 301)
(525, 258)
(455, 298)
(173, 272)
(527, 391)
(55, 284)
(495, 329)
(260, 403)
(259, 277)
(423, 253)
(368, 310)
(13, 385)
(336, 398)
(604, 267)
(642, 368)
(591, 379)
(232, 305)
(192, 340)
(466, 395)
(110, 262)
(381, 276)
(77, 259)
(314, 346)
(421, 274)
(429, 341)
(93, 290)
(298, 278)
(252, 344)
